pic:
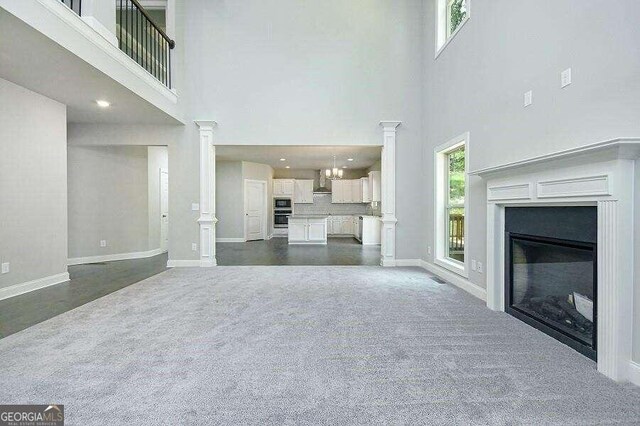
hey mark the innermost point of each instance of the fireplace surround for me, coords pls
(600, 176)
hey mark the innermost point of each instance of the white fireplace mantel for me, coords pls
(600, 175)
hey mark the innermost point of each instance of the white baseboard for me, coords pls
(114, 257)
(634, 373)
(18, 289)
(446, 275)
(230, 240)
(183, 263)
(269, 236)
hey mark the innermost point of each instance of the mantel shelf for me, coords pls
(613, 148)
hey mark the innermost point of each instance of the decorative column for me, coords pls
(388, 196)
(207, 218)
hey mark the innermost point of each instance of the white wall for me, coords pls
(158, 158)
(229, 200)
(108, 200)
(33, 185)
(507, 48)
(292, 72)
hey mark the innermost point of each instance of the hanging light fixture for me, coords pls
(334, 173)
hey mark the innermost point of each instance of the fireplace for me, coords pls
(551, 272)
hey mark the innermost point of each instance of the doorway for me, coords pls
(255, 210)
(164, 209)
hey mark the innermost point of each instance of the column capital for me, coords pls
(390, 125)
(205, 124)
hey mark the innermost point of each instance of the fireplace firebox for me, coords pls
(551, 272)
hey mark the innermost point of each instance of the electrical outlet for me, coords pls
(565, 77)
(429, 250)
(5, 268)
(195, 207)
(103, 243)
(480, 267)
(473, 264)
(528, 98)
(194, 247)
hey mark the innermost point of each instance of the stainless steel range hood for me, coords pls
(322, 180)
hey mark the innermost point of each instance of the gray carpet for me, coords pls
(303, 345)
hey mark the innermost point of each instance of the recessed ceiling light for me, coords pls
(344, 167)
(349, 159)
(283, 159)
(287, 167)
(103, 104)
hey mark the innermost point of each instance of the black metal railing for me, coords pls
(75, 5)
(143, 40)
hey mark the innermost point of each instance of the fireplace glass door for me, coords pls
(553, 285)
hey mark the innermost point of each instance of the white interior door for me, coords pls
(164, 209)
(255, 208)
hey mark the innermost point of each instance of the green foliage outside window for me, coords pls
(456, 176)
(458, 13)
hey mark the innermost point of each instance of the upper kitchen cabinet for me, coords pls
(283, 187)
(350, 191)
(303, 192)
(374, 186)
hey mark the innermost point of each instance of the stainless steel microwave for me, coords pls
(282, 203)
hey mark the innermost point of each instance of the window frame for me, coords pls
(443, 38)
(441, 206)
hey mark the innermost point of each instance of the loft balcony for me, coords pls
(78, 51)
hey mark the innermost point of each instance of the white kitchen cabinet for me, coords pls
(371, 231)
(283, 187)
(356, 191)
(375, 186)
(303, 192)
(307, 229)
(364, 190)
(347, 225)
(351, 191)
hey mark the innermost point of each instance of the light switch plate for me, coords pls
(528, 98)
(5, 268)
(429, 250)
(473, 265)
(565, 77)
(103, 243)
(194, 247)
(195, 207)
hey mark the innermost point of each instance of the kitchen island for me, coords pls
(307, 229)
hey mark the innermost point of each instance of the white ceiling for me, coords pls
(301, 157)
(47, 68)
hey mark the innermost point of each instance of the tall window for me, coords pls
(450, 15)
(451, 204)
(455, 203)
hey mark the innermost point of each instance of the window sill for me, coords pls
(453, 266)
(451, 37)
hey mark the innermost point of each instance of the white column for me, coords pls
(388, 196)
(207, 218)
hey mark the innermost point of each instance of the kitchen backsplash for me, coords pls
(322, 205)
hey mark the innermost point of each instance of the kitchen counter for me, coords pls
(308, 216)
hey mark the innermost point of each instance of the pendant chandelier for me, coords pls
(334, 173)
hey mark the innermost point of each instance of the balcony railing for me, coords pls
(143, 40)
(75, 5)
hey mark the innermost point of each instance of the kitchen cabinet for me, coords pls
(303, 191)
(369, 230)
(348, 191)
(283, 187)
(343, 225)
(375, 186)
(366, 196)
(307, 229)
